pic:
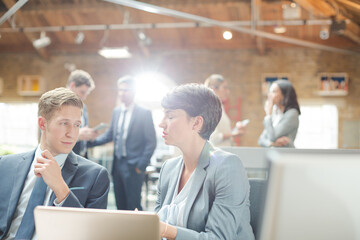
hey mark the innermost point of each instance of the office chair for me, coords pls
(257, 201)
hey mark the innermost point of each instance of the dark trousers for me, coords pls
(127, 185)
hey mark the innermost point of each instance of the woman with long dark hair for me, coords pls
(282, 116)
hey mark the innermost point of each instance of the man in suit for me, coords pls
(133, 133)
(81, 83)
(51, 174)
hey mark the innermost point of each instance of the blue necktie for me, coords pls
(27, 226)
(120, 134)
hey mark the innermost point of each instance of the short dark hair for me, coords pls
(196, 100)
(129, 80)
(288, 91)
(80, 77)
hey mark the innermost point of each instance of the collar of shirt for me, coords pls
(60, 158)
(128, 109)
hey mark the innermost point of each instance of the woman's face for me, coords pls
(275, 94)
(177, 127)
(223, 91)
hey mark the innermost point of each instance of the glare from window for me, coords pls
(18, 126)
(152, 87)
(318, 127)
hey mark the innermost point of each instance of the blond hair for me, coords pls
(53, 100)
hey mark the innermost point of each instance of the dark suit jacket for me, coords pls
(140, 141)
(77, 147)
(88, 183)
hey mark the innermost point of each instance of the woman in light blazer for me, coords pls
(203, 194)
(282, 116)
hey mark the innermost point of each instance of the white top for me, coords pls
(26, 193)
(174, 213)
(223, 127)
(129, 111)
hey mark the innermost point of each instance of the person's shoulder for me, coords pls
(16, 155)
(141, 108)
(292, 111)
(220, 157)
(88, 164)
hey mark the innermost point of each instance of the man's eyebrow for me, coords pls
(169, 111)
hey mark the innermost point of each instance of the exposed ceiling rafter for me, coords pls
(325, 9)
(30, 36)
(173, 13)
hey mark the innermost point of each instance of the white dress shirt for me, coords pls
(129, 111)
(223, 127)
(26, 193)
(174, 213)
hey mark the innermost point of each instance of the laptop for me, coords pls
(59, 223)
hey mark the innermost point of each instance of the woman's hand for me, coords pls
(167, 231)
(281, 141)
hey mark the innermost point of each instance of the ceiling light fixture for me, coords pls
(115, 52)
(79, 38)
(279, 29)
(42, 42)
(227, 35)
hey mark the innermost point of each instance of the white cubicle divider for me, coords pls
(255, 159)
(313, 195)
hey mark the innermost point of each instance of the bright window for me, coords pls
(318, 127)
(18, 126)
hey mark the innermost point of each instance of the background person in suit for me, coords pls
(81, 83)
(52, 174)
(203, 194)
(223, 134)
(282, 116)
(133, 133)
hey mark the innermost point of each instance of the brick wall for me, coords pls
(242, 68)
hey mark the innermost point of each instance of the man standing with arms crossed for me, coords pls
(51, 174)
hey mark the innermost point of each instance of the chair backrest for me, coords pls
(257, 201)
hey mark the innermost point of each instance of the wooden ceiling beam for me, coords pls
(322, 8)
(20, 19)
(354, 6)
(255, 17)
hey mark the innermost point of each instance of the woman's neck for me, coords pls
(191, 153)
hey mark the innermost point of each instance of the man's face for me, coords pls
(126, 93)
(60, 133)
(81, 91)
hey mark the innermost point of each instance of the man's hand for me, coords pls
(87, 134)
(138, 171)
(47, 168)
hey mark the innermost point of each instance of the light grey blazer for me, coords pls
(218, 204)
(287, 126)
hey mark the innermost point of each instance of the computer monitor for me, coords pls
(60, 223)
(312, 196)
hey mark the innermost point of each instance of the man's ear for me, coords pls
(198, 123)
(72, 86)
(42, 123)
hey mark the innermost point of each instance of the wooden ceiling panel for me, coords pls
(43, 13)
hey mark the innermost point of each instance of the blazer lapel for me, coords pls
(199, 177)
(172, 183)
(133, 116)
(68, 171)
(22, 170)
